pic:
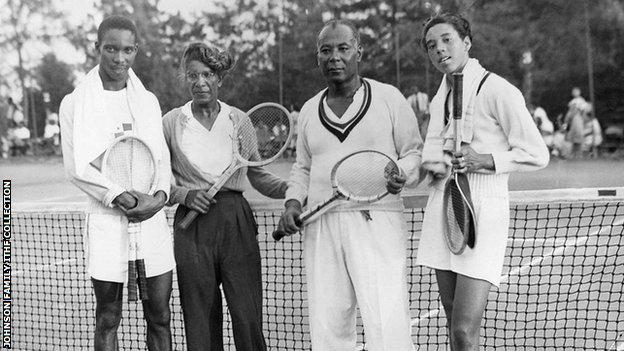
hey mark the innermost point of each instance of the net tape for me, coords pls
(562, 283)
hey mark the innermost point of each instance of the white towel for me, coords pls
(441, 137)
(94, 130)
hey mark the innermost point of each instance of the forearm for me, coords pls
(267, 183)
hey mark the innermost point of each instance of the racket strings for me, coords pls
(457, 216)
(271, 126)
(364, 174)
(130, 165)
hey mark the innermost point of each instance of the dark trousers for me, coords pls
(220, 247)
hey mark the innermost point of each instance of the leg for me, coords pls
(241, 273)
(198, 282)
(446, 288)
(331, 298)
(108, 297)
(157, 313)
(376, 260)
(468, 307)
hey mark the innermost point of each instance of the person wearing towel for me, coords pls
(110, 102)
(498, 137)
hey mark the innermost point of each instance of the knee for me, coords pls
(158, 316)
(464, 335)
(108, 317)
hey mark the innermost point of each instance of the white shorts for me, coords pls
(106, 246)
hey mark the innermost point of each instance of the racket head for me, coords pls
(263, 136)
(362, 176)
(129, 162)
(458, 215)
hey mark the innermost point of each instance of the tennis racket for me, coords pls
(257, 141)
(458, 208)
(359, 177)
(129, 162)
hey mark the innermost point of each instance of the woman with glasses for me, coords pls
(220, 246)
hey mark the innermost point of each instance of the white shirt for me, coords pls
(22, 133)
(116, 103)
(51, 130)
(209, 150)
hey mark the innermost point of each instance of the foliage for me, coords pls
(253, 30)
(56, 78)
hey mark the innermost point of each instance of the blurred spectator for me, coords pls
(593, 132)
(575, 126)
(577, 100)
(544, 125)
(20, 139)
(51, 135)
(420, 104)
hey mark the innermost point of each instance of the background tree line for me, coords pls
(274, 41)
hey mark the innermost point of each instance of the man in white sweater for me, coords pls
(351, 258)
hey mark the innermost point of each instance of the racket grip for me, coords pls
(141, 279)
(132, 283)
(278, 234)
(188, 219)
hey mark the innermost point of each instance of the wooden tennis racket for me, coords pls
(359, 177)
(257, 141)
(458, 208)
(129, 162)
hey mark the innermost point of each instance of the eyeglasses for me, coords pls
(194, 76)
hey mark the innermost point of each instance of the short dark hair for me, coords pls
(461, 25)
(336, 22)
(117, 22)
(220, 61)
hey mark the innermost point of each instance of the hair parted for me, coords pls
(461, 25)
(220, 61)
(117, 22)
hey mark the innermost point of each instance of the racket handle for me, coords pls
(141, 279)
(278, 234)
(188, 219)
(132, 283)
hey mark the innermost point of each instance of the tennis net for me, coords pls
(562, 284)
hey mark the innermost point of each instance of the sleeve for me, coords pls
(267, 183)
(299, 180)
(407, 139)
(527, 150)
(92, 182)
(177, 193)
(164, 180)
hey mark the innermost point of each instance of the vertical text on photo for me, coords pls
(6, 264)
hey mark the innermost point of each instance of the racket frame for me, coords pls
(238, 161)
(338, 194)
(459, 181)
(136, 263)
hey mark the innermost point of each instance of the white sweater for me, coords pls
(388, 125)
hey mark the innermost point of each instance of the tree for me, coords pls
(55, 78)
(22, 23)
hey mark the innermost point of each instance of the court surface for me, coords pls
(43, 180)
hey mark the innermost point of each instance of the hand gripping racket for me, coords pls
(129, 163)
(359, 177)
(257, 141)
(458, 208)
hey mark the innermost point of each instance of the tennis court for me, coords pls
(562, 285)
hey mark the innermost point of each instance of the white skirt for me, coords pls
(106, 246)
(490, 197)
